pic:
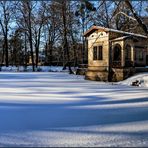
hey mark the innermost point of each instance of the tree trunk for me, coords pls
(30, 40)
(83, 48)
(65, 38)
(31, 48)
(50, 55)
(25, 64)
(37, 56)
(2, 58)
(38, 45)
(3, 54)
(50, 52)
(6, 51)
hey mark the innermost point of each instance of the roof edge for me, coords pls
(112, 30)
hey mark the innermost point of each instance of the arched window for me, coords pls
(117, 53)
(128, 52)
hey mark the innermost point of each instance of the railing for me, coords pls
(116, 64)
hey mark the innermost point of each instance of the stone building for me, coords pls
(113, 54)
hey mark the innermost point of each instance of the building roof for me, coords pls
(125, 37)
(93, 28)
(121, 38)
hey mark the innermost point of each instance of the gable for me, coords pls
(97, 34)
(117, 33)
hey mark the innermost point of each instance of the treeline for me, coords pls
(53, 30)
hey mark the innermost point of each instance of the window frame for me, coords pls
(128, 52)
(140, 55)
(98, 54)
(117, 52)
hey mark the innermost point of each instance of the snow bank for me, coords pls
(39, 69)
(29, 69)
(141, 79)
(50, 68)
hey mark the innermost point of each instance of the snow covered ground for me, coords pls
(142, 78)
(58, 109)
(29, 69)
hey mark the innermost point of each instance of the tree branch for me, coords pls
(143, 26)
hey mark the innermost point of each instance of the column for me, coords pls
(122, 55)
(132, 55)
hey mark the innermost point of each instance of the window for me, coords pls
(97, 53)
(135, 55)
(117, 53)
(100, 54)
(128, 52)
(140, 56)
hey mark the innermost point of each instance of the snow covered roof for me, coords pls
(93, 28)
(124, 37)
(121, 38)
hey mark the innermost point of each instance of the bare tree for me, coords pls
(138, 19)
(128, 16)
(62, 13)
(25, 23)
(5, 17)
(37, 25)
(83, 14)
(15, 47)
(51, 27)
(65, 46)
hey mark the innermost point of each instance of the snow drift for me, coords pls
(141, 79)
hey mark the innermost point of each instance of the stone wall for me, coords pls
(97, 73)
(120, 74)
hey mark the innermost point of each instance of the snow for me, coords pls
(55, 109)
(128, 33)
(113, 30)
(142, 78)
(29, 69)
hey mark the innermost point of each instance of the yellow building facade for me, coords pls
(113, 54)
